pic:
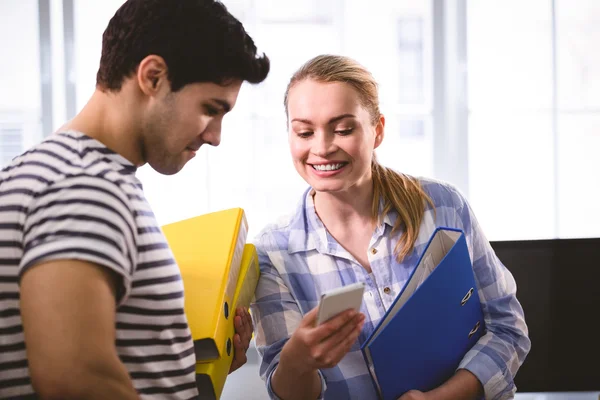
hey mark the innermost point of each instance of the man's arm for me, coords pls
(68, 312)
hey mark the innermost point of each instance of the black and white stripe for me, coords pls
(71, 197)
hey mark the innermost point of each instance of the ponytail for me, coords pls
(403, 194)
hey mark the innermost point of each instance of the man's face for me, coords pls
(178, 123)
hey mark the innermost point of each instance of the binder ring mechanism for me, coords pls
(467, 297)
(226, 310)
(474, 330)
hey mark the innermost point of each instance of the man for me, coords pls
(91, 300)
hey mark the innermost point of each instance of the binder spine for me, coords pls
(236, 261)
(244, 297)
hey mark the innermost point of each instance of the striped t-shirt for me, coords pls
(70, 197)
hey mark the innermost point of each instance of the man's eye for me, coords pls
(211, 111)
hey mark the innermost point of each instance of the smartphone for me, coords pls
(339, 300)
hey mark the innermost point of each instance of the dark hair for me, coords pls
(199, 40)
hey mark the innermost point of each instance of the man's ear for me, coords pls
(379, 131)
(152, 75)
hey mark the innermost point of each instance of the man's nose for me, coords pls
(212, 133)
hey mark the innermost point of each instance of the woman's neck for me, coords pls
(345, 209)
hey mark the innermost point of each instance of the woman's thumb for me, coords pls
(310, 319)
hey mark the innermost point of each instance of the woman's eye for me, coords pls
(304, 134)
(344, 132)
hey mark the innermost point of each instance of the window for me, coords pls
(411, 73)
(11, 143)
(263, 180)
(511, 179)
(394, 41)
(534, 97)
(533, 103)
(578, 117)
(21, 79)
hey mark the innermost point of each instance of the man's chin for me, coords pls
(167, 168)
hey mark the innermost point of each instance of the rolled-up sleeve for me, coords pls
(497, 356)
(275, 313)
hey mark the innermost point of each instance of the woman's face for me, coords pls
(331, 135)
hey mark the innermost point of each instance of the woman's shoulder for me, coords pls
(275, 234)
(278, 228)
(442, 193)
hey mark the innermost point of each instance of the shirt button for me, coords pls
(373, 250)
(386, 290)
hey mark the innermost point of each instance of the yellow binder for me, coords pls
(208, 250)
(211, 376)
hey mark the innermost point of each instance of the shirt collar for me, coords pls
(88, 144)
(307, 231)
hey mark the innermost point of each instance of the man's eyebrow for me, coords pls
(224, 104)
(331, 121)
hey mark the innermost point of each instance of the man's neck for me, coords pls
(110, 119)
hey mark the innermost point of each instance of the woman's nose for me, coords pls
(323, 145)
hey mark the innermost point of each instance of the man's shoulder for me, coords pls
(60, 163)
(50, 160)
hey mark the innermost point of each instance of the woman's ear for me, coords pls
(379, 131)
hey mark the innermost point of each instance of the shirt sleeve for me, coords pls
(84, 218)
(276, 315)
(497, 356)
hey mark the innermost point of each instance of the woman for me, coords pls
(360, 221)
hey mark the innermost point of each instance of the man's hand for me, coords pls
(242, 337)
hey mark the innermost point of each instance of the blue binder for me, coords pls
(435, 320)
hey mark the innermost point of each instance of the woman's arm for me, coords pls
(497, 356)
(463, 385)
(293, 349)
(276, 315)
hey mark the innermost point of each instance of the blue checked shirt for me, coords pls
(299, 261)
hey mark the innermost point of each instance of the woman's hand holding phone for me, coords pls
(313, 346)
(323, 337)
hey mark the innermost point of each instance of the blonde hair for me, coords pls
(400, 192)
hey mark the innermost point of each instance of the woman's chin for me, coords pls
(327, 187)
